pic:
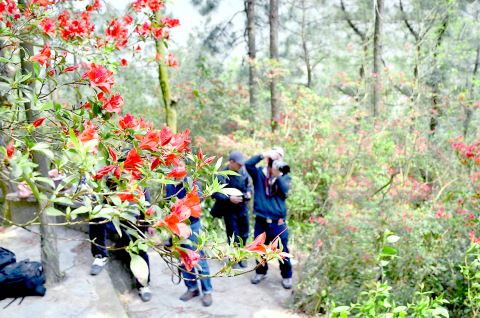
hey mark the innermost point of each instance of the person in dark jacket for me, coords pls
(271, 188)
(235, 208)
(191, 278)
(98, 230)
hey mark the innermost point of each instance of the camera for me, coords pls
(282, 166)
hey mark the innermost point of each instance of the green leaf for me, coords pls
(139, 268)
(53, 212)
(43, 148)
(384, 263)
(74, 138)
(45, 180)
(440, 312)
(116, 224)
(116, 200)
(393, 239)
(80, 210)
(63, 200)
(219, 163)
(340, 309)
(388, 250)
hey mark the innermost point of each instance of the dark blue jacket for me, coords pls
(180, 192)
(241, 182)
(271, 206)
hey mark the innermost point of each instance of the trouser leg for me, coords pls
(243, 226)
(98, 235)
(260, 227)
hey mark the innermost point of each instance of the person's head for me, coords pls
(279, 152)
(236, 160)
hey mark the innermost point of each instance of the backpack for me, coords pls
(22, 279)
(6, 257)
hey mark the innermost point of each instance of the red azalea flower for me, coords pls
(189, 258)
(133, 162)
(42, 57)
(209, 160)
(114, 104)
(100, 77)
(94, 6)
(171, 61)
(128, 19)
(70, 68)
(128, 121)
(48, 26)
(117, 173)
(169, 22)
(155, 5)
(173, 222)
(171, 159)
(112, 153)
(10, 149)
(151, 140)
(155, 163)
(150, 212)
(89, 133)
(258, 245)
(192, 201)
(103, 172)
(177, 173)
(126, 196)
(181, 141)
(144, 125)
(39, 121)
(117, 32)
(43, 3)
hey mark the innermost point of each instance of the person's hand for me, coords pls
(272, 155)
(276, 173)
(236, 199)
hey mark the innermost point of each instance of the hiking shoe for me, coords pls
(243, 264)
(257, 278)
(207, 300)
(189, 294)
(145, 293)
(287, 283)
(98, 264)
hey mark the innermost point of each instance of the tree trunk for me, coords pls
(169, 106)
(252, 53)
(273, 19)
(306, 52)
(365, 47)
(435, 110)
(468, 108)
(48, 239)
(377, 57)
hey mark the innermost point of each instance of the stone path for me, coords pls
(82, 295)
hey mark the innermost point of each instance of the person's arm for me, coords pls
(248, 183)
(250, 165)
(283, 185)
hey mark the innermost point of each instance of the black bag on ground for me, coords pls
(22, 279)
(6, 257)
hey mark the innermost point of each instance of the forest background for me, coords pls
(376, 104)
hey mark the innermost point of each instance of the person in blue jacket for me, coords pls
(271, 187)
(234, 209)
(191, 278)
